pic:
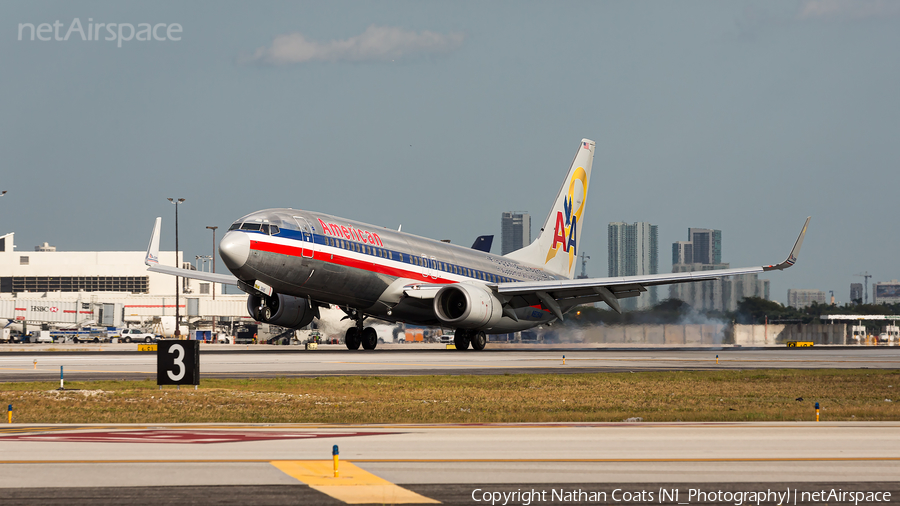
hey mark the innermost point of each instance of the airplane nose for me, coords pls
(235, 250)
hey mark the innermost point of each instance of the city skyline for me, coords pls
(703, 252)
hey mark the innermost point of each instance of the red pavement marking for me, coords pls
(179, 436)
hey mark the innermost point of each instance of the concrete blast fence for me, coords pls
(713, 334)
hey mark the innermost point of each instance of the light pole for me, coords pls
(177, 278)
(202, 262)
(214, 331)
(214, 259)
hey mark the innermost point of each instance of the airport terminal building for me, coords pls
(88, 280)
(48, 270)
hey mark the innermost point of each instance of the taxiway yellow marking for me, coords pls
(354, 486)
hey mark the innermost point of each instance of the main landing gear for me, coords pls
(359, 335)
(462, 338)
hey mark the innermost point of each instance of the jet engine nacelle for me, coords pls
(282, 310)
(467, 306)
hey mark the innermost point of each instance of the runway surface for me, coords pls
(422, 464)
(220, 361)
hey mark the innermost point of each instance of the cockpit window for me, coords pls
(273, 230)
(265, 228)
(234, 226)
(251, 226)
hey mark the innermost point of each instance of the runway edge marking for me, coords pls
(355, 485)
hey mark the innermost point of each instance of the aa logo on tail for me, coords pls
(565, 232)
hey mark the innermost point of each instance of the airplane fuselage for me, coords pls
(365, 267)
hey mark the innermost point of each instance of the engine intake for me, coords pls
(282, 310)
(467, 306)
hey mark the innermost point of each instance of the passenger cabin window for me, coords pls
(251, 226)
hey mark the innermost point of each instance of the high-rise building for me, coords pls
(856, 293)
(634, 251)
(702, 295)
(707, 245)
(703, 252)
(515, 231)
(886, 292)
(682, 252)
(799, 298)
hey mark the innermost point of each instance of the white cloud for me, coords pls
(377, 43)
(848, 9)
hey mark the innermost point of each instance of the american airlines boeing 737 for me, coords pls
(292, 262)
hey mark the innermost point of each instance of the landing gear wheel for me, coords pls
(265, 313)
(461, 339)
(352, 339)
(478, 339)
(369, 338)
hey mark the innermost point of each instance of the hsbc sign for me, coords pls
(43, 310)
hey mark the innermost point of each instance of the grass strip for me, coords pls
(755, 395)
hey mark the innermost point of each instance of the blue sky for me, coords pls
(740, 116)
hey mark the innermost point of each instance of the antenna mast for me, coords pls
(584, 259)
(865, 277)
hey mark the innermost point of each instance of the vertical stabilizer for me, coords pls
(556, 246)
(152, 257)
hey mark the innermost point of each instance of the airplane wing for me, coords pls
(152, 262)
(560, 295)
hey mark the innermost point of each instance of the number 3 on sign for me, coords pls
(178, 361)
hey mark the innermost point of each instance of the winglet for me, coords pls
(152, 257)
(792, 258)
